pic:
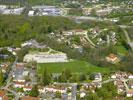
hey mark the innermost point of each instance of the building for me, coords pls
(27, 88)
(29, 98)
(32, 43)
(120, 86)
(112, 58)
(129, 93)
(130, 84)
(45, 57)
(130, 76)
(47, 10)
(19, 84)
(3, 95)
(18, 73)
(96, 76)
(119, 74)
(31, 13)
(75, 32)
(54, 89)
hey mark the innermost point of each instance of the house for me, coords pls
(78, 48)
(3, 95)
(113, 76)
(4, 67)
(32, 43)
(97, 76)
(27, 88)
(130, 84)
(119, 74)
(75, 32)
(130, 76)
(82, 94)
(129, 93)
(112, 58)
(54, 89)
(19, 84)
(18, 73)
(29, 98)
(120, 86)
(31, 13)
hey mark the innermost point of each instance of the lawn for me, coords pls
(74, 66)
(121, 49)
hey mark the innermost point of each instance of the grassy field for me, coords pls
(74, 66)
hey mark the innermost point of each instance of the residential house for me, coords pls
(19, 84)
(129, 93)
(130, 76)
(31, 13)
(112, 58)
(120, 86)
(97, 76)
(27, 88)
(3, 95)
(29, 98)
(119, 74)
(130, 84)
(82, 94)
(54, 89)
(18, 73)
(75, 32)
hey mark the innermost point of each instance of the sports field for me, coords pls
(74, 66)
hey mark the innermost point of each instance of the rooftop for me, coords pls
(29, 98)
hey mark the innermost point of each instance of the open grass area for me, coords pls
(74, 66)
(121, 49)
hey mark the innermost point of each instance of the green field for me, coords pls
(74, 66)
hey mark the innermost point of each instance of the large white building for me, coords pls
(45, 57)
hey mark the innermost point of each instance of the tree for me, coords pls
(34, 91)
(46, 78)
(91, 96)
(82, 77)
(1, 78)
(57, 95)
(66, 74)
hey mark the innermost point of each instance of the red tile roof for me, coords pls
(130, 91)
(2, 93)
(28, 87)
(21, 83)
(29, 98)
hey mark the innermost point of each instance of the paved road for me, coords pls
(6, 87)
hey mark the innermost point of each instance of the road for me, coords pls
(8, 81)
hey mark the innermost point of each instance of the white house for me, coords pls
(31, 13)
(75, 32)
(113, 76)
(130, 83)
(19, 84)
(129, 93)
(55, 89)
(3, 95)
(82, 94)
(27, 88)
(130, 76)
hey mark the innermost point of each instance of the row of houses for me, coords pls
(124, 83)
